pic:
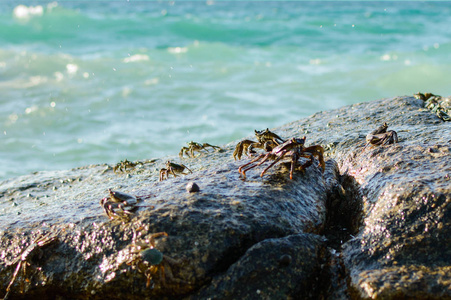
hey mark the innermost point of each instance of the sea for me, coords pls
(94, 82)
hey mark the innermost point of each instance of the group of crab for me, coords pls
(438, 105)
(275, 149)
(144, 256)
(174, 169)
(150, 261)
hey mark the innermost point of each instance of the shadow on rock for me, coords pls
(280, 268)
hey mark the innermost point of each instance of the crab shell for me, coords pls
(152, 256)
(122, 197)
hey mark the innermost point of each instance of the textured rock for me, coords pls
(280, 268)
(208, 231)
(403, 248)
(375, 224)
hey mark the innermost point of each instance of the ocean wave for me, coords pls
(136, 58)
(24, 12)
(103, 81)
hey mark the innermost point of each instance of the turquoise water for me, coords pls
(85, 82)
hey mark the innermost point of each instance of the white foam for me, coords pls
(136, 57)
(24, 12)
(71, 68)
(58, 76)
(52, 5)
(177, 50)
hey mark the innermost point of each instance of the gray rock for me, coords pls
(279, 268)
(384, 210)
(208, 231)
(403, 247)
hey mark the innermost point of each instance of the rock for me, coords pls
(192, 187)
(402, 249)
(374, 225)
(208, 231)
(281, 268)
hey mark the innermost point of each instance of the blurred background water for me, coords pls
(88, 82)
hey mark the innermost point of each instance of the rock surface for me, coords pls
(402, 249)
(374, 225)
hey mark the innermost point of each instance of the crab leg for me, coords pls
(294, 160)
(187, 169)
(19, 266)
(122, 206)
(265, 158)
(273, 163)
(309, 162)
(252, 161)
(163, 174)
(172, 172)
(393, 137)
(212, 146)
(241, 147)
(154, 236)
(319, 152)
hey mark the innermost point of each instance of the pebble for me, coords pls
(285, 260)
(192, 187)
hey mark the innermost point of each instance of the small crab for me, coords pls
(124, 165)
(150, 261)
(193, 146)
(266, 140)
(381, 136)
(293, 148)
(35, 248)
(120, 205)
(174, 169)
(424, 96)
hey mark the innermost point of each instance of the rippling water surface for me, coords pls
(85, 82)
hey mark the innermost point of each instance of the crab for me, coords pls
(266, 140)
(193, 146)
(151, 261)
(293, 148)
(424, 96)
(120, 205)
(381, 136)
(174, 169)
(124, 165)
(34, 249)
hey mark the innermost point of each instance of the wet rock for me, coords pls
(374, 225)
(402, 248)
(280, 268)
(208, 231)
